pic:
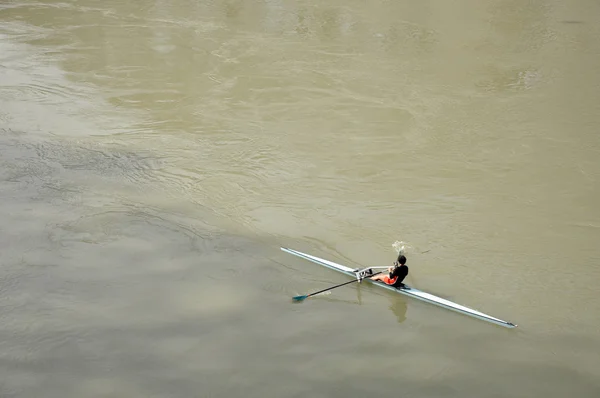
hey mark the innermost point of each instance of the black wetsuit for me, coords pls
(399, 272)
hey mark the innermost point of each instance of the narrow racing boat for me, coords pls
(406, 290)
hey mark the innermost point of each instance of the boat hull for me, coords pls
(406, 290)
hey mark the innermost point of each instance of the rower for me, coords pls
(396, 275)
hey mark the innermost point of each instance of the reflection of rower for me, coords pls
(398, 307)
(396, 275)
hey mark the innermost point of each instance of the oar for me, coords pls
(301, 298)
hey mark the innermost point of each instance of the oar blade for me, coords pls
(299, 298)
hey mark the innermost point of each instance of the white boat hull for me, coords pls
(406, 290)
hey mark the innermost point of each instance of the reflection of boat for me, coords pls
(406, 290)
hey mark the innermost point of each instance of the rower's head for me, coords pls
(401, 260)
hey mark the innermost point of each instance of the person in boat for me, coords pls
(396, 274)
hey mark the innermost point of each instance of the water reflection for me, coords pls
(397, 304)
(399, 308)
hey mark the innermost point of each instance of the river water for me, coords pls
(155, 155)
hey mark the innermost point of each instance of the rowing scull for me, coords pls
(406, 290)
